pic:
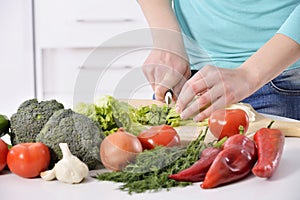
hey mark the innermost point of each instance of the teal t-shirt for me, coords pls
(226, 33)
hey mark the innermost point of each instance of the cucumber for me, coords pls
(4, 125)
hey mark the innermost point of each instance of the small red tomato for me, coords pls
(28, 159)
(3, 154)
(227, 122)
(163, 135)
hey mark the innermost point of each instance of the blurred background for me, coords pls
(46, 44)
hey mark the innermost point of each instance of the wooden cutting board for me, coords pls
(290, 128)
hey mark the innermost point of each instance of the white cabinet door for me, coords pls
(16, 54)
(78, 38)
(82, 75)
(85, 23)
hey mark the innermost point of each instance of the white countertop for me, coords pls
(283, 185)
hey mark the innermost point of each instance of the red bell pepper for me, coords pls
(233, 163)
(198, 170)
(270, 143)
(243, 141)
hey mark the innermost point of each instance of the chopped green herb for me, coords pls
(112, 114)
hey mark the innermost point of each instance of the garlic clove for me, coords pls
(69, 169)
(48, 175)
(71, 172)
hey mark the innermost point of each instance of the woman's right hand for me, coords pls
(166, 70)
(167, 66)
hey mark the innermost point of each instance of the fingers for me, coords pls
(169, 79)
(199, 83)
(177, 88)
(205, 113)
(203, 104)
(165, 70)
(172, 80)
(149, 74)
(202, 94)
(155, 73)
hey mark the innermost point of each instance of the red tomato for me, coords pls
(163, 135)
(226, 122)
(3, 154)
(28, 159)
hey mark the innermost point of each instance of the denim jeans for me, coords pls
(280, 96)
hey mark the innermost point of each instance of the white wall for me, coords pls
(16, 54)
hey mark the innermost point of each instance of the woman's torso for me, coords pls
(226, 33)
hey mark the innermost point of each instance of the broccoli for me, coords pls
(82, 134)
(30, 118)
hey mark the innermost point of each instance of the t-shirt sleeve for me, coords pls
(291, 27)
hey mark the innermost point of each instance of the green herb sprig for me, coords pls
(152, 167)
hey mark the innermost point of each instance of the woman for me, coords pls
(242, 50)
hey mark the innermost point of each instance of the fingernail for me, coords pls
(183, 115)
(177, 109)
(198, 118)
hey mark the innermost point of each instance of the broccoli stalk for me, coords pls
(82, 134)
(30, 118)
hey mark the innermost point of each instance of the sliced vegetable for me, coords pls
(152, 115)
(119, 149)
(162, 135)
(3, 154)
(28, 159)
(112, 114)
(270, 144)
(68, 170)
(227, 122)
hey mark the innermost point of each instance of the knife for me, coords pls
(169, 97)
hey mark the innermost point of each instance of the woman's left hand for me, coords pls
(212, 88)
(215, 88)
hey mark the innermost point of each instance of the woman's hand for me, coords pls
(215, 88)
(165, 70)
(166, 67)
(212, 88)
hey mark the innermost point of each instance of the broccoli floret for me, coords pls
(30, 118)
(82, 134)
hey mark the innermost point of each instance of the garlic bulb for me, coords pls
(68, 170)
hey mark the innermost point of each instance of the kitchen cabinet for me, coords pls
(90, 48)
(16, 54)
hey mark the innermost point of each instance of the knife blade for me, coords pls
(169, 97)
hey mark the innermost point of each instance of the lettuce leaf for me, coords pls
(111, 114)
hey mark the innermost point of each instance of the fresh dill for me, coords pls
(151, 169)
